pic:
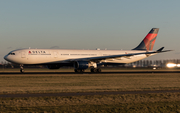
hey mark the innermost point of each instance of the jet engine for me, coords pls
(81, 65)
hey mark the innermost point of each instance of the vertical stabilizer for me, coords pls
(148, 42)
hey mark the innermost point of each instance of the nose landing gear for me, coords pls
(21, 69)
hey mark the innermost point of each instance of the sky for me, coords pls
(88, 24)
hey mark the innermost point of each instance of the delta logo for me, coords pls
(37, 52)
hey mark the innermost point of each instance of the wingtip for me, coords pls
(160, 50)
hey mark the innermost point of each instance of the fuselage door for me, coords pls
(55, 54)
(23, 54)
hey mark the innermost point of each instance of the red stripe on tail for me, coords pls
(149, 41)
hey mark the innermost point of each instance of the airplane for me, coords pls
(84, 59)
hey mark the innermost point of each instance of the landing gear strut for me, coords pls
(21, 69)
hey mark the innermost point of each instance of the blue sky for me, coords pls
(88, 24)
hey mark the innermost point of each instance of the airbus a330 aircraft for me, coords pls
(83, 59)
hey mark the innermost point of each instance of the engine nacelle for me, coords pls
(81, 65)
(53, 66)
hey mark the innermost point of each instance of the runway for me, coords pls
(116, 72)
(85, 93)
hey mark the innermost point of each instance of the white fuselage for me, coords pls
(49, 56)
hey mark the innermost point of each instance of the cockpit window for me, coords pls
(11, 54)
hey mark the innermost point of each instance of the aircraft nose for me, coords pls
(6, 57)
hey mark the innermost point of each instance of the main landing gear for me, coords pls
(21, 69)
(79, 70)
(93, 70)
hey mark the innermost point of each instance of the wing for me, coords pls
(99, 58)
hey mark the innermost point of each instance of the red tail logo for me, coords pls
(148, 42)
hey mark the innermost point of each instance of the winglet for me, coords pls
(160, 50)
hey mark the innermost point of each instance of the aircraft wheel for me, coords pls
(79, 70)
(22, 70)
(75, 70)
(92, 70)
(95, 70)
(82, 70)
(98, 70)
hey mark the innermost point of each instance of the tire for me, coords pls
(95, 70)
(92, 70)
(82, 70)
(98, 70)
(79, 70)
(75, 70)
(22, 70)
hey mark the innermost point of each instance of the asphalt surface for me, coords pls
(117, 72)
(85, 93)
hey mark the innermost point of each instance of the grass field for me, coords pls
(45, 83)
(129, 103)
(87, 82)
